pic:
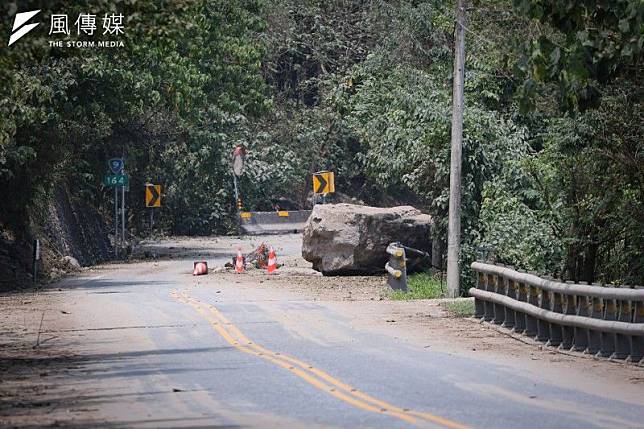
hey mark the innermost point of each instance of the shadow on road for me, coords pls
(40, 387)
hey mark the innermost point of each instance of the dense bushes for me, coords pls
(172, 102)
(552, 171)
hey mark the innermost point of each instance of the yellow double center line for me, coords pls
(314, 376)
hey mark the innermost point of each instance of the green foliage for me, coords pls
(402, 116)
(421, 286)
(359, 87)
(583, 45)
(172, 102)
(590, 175)
(517, 234)
(579, 216)
(463, 307)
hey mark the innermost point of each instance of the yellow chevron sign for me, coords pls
(152, 195)
(323, 182)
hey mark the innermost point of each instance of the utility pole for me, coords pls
(454, 223)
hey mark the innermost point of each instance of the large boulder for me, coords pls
(345, 239)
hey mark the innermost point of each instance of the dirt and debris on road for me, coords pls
(41, 346)
(294, 272)
(415, 318)
(35, 359)
(364, 300)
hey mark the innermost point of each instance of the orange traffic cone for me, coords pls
(201, 268)
(239, 262)
(272, 261)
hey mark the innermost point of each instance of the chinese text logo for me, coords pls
(86, 25)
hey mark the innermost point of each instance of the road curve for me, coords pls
(155, 347)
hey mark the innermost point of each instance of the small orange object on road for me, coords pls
(201, 268)
(272, 261)
(239, 262)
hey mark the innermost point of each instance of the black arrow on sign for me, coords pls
(322, 184)
(155, 195)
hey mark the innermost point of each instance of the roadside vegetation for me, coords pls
(421, 286)
(461, 307)
(553, 172)
(429, 285)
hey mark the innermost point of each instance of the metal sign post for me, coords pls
(116, 220)
(118, 178)
(152, 199)
(36, 259)
(239, 159)
(236, 189)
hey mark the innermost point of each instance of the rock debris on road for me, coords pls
(146, 344)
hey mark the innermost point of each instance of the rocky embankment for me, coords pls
(71, 232)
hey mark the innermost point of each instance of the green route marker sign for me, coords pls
(116, 180)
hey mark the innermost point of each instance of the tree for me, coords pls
(583, 46)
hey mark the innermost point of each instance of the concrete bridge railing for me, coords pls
(599, 320)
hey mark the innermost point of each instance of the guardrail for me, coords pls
(602, 321)
(277, 222)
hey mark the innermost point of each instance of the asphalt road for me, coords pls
(156, 348)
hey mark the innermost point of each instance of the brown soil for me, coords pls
(33, 360)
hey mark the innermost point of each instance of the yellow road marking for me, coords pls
(330, 379)
(246, 345)
(325, 382)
